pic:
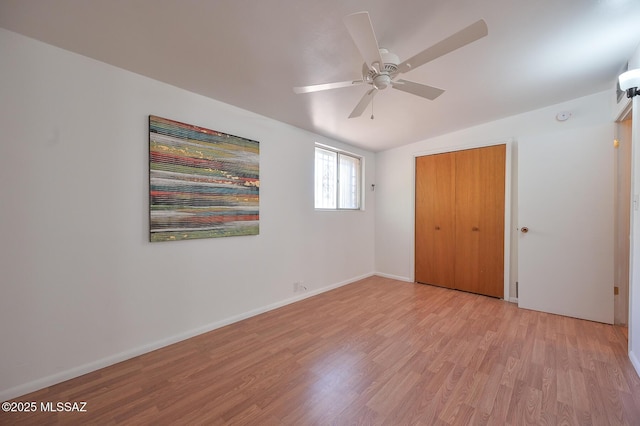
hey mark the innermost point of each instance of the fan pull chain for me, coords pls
(372, 108)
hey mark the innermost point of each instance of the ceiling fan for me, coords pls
(381, 67)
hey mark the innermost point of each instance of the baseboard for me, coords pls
(635, 362)
(308, 294)
(394, 277)
(71, 373)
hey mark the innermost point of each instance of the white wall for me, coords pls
(395, 175)
(81, 286)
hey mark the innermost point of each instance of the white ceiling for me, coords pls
(250, 53)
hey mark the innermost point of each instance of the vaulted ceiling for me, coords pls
(251, 53)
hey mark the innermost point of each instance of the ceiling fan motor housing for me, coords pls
(389, 58)
(382, 79)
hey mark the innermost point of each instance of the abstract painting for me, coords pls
(202, 183)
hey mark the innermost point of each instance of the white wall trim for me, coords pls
(634, 280)
(635, 362)
(394, 277)
(507, 201)
(140, 350)
(622, 108)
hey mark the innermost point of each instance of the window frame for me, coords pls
(360, 178)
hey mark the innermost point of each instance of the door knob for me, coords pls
(524, 229)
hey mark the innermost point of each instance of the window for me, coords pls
(337, 179)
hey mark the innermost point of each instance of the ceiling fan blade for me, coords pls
(417, 89)
(463, 37)
(326, 86)
(361, 30)
(362, 105)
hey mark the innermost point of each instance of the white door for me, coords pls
(566, 200)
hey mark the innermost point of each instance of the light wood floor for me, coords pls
(377, 351)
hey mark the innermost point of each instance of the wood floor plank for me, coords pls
(375, 352)
(420, 404)
(549, 390)
(457, 409)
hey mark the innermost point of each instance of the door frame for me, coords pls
(622, 242)
(508, 206)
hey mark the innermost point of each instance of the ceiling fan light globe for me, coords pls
(381, 81)
(629, 79)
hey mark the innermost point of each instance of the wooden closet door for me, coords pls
(479, 241)
(435, 220)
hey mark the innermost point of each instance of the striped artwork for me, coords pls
(202, 183)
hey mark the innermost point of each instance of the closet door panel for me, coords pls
(435, 220)
(479, 240)
(468, 198)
